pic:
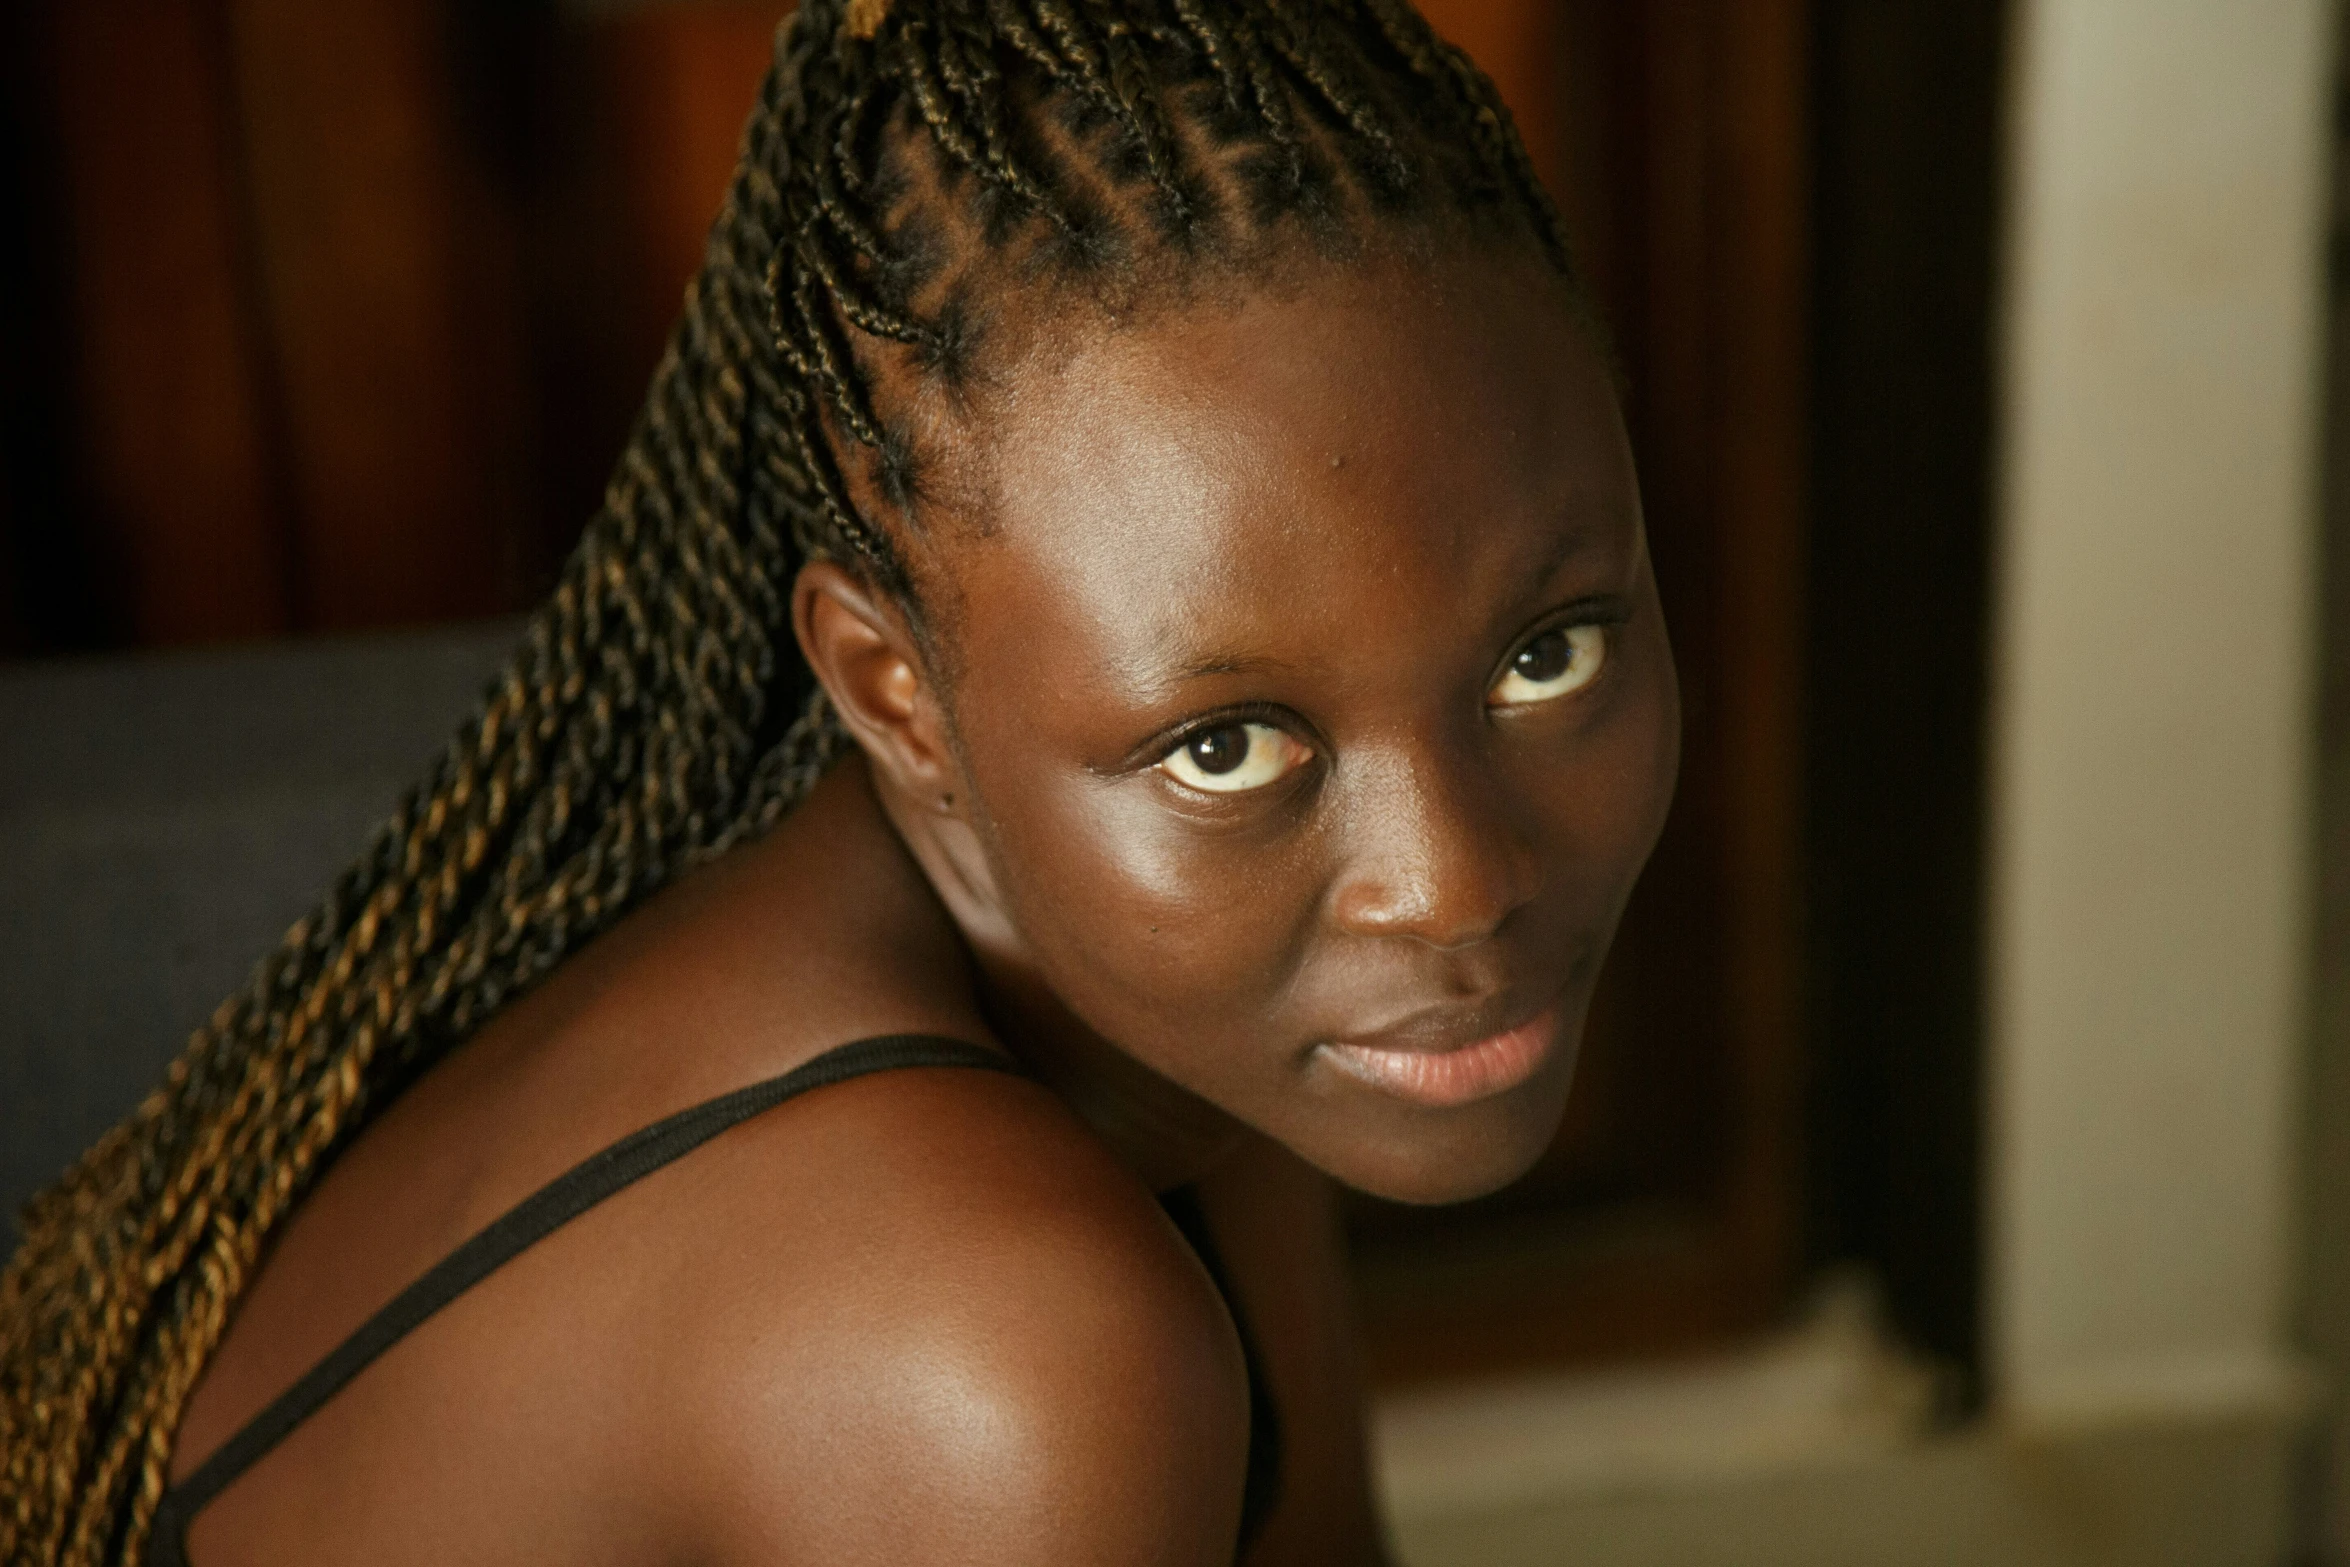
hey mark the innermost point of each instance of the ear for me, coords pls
(861, 649)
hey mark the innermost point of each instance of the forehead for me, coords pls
(1234, 477)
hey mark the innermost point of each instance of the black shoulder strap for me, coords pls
(1261, 1489)
(558, 1202)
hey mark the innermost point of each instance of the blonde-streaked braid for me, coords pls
(621, 742)
(657, 709)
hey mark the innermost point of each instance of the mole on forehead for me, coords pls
(1069, 414)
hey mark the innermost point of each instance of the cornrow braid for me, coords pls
(657, 710)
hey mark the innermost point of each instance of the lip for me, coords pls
(1444, 1077)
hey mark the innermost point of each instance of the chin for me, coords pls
(1430, 1158)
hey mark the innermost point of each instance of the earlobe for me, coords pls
(860, 648)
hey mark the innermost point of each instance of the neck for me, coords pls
(1167, 1135)
(1164, 1133)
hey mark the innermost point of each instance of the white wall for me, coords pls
(2152, 716)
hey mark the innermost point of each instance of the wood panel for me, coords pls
(387, 271)
(295, 345)
(174, 425)
(642, 124)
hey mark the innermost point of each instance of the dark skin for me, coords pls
(1317, 537)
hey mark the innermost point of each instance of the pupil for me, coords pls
(1546, 657)
(1220, 750)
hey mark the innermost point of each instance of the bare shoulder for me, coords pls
(932, 1319)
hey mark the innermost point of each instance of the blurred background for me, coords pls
(1957, 1169)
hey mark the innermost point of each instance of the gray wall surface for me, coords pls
(163, 819)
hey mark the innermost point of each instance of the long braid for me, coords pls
(657, 710)
(616, 738)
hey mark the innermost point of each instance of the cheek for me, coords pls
(1594, 804)
(1149, 928)
(1625, 767)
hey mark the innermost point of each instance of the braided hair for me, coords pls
(657, 709)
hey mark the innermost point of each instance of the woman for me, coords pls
(1117, 683)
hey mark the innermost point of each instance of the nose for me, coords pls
(1437, 850)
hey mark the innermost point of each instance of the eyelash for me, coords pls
(1607, 616)
(1266, 713)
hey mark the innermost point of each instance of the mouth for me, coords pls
(1445, 1076)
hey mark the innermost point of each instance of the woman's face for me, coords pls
(1315, 710)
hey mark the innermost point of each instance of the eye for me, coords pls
(1551, 665)
(1232, 757)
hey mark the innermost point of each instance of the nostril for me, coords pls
(1448, 907)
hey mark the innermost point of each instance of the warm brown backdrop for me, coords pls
(342, 309)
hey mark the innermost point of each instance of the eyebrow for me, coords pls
(1164, 680)
(1209, 664)
(1579, 532)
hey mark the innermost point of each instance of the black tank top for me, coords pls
(601, 1175)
